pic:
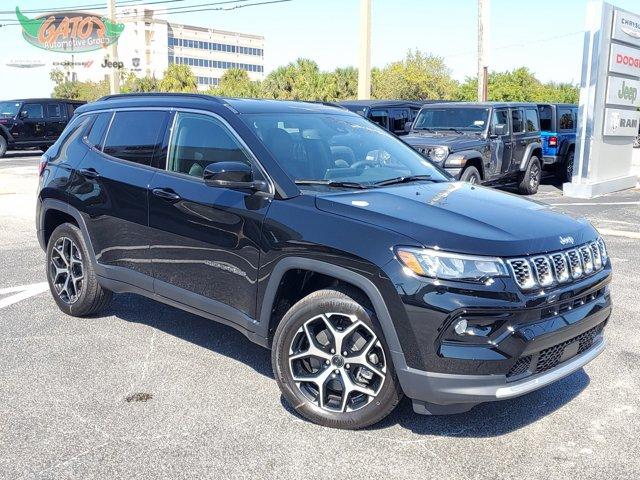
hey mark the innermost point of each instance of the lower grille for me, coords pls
(552, 357)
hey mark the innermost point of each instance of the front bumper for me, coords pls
(454, 172)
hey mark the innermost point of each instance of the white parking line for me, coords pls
(22, 293)
(619, 233)
(592, 203)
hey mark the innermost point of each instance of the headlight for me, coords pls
(439, 154)
(450, 266)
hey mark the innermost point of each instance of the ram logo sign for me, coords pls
(69, 31)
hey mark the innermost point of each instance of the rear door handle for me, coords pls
(89, 173)
(166, 194)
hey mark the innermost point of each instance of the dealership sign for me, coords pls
(621, 123)
(623, 91)
(69, 31)
(626, 28)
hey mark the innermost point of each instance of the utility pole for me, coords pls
(483, 49)
(114, 77)
(364, 63)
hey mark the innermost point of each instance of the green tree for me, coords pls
(131, 83)
(235, 82)
(75, 90)
(418, 77)
(299, 80)
(341, 84)
(178, 78)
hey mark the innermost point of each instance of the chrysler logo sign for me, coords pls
(626, 28)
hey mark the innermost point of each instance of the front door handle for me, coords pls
(89, 172)
(166, 194)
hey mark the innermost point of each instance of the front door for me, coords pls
(205, 241)
(32, 124)
(501, 145)
(55, 121)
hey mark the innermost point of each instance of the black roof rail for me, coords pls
(159, 94)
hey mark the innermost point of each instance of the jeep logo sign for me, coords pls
(621, 123)
(622, 91)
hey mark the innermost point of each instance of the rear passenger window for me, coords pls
(546, 118)
(567, 121)
(199, 140)
(135, 135)
(54, 110)
(74, 130)
(531, 116)
(98, 129)
(517, 121)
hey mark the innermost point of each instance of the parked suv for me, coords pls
(33, 123)
(558, 123)
(392, 115)
(368, 272)
(489, 143)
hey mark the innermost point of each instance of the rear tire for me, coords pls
(333, 338)
(530, 180)
(471, 175)
(72, 280)
(565, 170)
(3, 146)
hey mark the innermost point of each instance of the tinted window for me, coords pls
(399, 118)
(199, 140)
(531, 116)
(566, 119)
(134, 136)
(517, 121)
(54, 110)
(98, 129)
(33, 110)
(452, 118)
(74, 130)
(501, 117)
(381, 117)
(546, 118)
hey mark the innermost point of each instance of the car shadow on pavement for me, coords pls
(200, 331)
(485, 420)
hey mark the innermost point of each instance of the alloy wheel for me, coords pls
(67, 270)
(534, 176)
(337, 362)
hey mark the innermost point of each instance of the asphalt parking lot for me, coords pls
(147, 391)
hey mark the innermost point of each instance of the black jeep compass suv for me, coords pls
(368, 272)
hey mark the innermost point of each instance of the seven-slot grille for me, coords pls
(559, 267)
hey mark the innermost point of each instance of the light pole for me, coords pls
(483, 49)
(364, 63)
(114, 77)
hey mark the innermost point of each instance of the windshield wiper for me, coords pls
(455, 130)
(406, 179)
(332, 183)
(427, 129)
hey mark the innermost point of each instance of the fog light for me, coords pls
(460, 327)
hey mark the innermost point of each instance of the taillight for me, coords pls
(553, 141)
(44, 160)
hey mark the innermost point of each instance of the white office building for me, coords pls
(149, 44)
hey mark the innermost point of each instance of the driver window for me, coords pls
(500, 117)
(381, 117)
(199, 140)
(33, 110)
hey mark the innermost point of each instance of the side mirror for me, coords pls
(408, 126)
(234, 175)
(24, 114)
(499, 130)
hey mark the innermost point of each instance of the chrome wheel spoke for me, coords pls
(67, 270)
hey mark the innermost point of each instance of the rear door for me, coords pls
(205, 240)
(55, 120)
(111, 190)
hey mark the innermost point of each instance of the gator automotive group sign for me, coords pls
(69, 31)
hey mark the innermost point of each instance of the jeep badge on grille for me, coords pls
(568, 240)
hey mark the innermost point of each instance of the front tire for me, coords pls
(471, 175)
(72, 279)
(3, 146)
(530, 181)
(331, 361)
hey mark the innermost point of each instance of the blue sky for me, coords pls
(544, 35)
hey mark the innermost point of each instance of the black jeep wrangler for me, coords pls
(490, 143)
(33, 123)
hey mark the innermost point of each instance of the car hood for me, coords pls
(461, 217)
(454, 142)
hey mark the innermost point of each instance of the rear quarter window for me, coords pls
(531, 117)
(566, 119)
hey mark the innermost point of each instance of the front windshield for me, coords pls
(451, 118)
(337, 148)
(9, 109)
